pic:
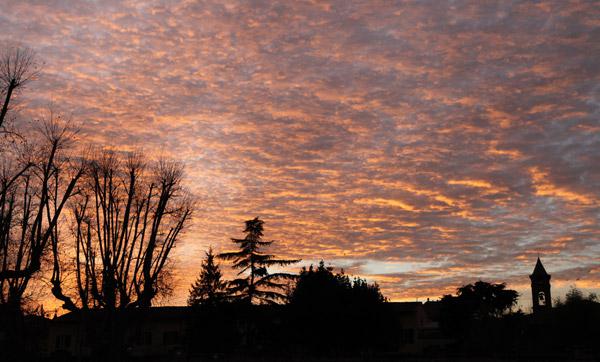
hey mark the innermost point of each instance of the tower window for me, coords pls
(541, 298)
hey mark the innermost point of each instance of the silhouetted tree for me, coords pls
(575, 297)
(209, 289)
(36, 180)
(324, 298)
(18, 65)
(473, 317)
(126, 219)
(258, 285)
(35, 183)
(483, 300)
(318, 286)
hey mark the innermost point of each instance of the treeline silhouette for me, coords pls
(569, 331)
(315, 298)
(317, 301)
(326, 314)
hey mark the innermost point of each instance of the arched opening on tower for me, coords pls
(541, 298)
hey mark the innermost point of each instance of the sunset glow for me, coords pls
(422, 145)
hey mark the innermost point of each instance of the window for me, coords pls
(541, 298)
(170, 338)
(141, 337)
(146, 339)
(63, 341)
(407, 336)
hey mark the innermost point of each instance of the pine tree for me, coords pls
(209, 288)
(258, 286)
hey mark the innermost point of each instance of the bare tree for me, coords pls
(18, 65)
(35, 184)
(126, 220)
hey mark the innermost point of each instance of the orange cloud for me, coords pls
(426, 132)
(543, 187)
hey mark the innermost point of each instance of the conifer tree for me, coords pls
(209, 288)
(256, 285)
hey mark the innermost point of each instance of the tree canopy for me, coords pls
(320, 286)
(323, 299)
(126, 218)
(256, 284)
(483, 300)
(209, 289)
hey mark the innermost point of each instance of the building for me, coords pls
(540, 288)
(157, 331)
(170, 332)
(418, 327)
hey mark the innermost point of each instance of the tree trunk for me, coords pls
(9, 91)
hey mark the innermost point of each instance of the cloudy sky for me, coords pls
(422, 144)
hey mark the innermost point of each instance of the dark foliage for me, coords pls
(318, 287)
(258, 285)
(473, 304)
(480, 321)
(323, 300)
(474, 315)
(569, 329)
(209, 288)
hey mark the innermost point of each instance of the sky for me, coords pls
(420, 144)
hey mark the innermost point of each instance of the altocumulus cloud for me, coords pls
(423, 144)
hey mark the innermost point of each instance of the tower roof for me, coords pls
(539, 269)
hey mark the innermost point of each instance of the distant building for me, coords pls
(540, 288)
(161, 332)
(157, 331)
(418, 327)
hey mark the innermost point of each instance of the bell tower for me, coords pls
(540, 288)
